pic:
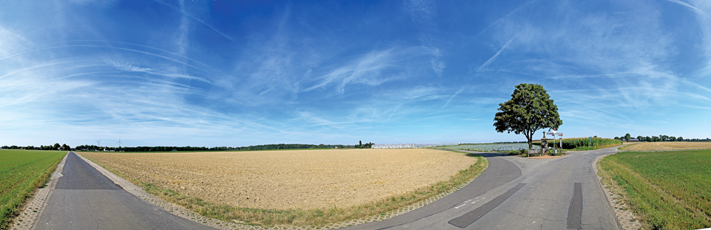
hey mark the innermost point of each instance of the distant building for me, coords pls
(401, 146)
(395, 146)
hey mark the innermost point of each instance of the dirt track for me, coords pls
(300, 179)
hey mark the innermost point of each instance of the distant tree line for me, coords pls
(66, 147)
(222, 148)
(628, 137)
(55, 146)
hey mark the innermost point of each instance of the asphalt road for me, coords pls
(519, 193)
(85, 199)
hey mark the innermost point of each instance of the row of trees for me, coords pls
(55, 146)
(66, 147)
(628, 137)
(221, 148)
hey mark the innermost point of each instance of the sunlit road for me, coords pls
(85, 199)
(519, 193)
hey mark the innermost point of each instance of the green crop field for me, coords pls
(584, 143)
(21, 172)
(670, 190)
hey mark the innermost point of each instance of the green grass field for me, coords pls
(21, 172)
(670, 190)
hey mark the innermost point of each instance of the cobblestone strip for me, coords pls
(624, 214)
(219, 224)
(32, 210)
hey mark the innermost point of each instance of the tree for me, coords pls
(56, 145)
(628, 137)
(529, 110)
(368, 145)
(680, 139)
(617, 138)
(360, 144)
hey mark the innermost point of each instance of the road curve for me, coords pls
(519, 193)
(85, 199)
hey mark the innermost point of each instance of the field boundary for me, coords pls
(626, 219)
(644, 197)
(663, 193)
(33, 207)
(123, 180)
(150, 198)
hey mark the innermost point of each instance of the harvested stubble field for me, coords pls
(300, 179)
(667, 146)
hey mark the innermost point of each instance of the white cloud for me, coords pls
(368, 69)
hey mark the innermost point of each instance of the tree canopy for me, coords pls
(530, 109)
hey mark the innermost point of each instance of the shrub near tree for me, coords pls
(530, 109)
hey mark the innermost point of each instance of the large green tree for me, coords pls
(530, 109)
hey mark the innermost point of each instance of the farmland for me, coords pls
(667, 146)
(492, 147)
(583, 143)
(668, 189)
(280, 186)
(22, 171)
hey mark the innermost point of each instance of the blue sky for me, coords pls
(237, 73)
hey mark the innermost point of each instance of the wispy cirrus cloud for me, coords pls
(189, 73)
(422, 13)
(369, 69)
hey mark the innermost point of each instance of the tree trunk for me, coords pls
(530, 142)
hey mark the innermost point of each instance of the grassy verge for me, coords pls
(22, 172)
(310, 217)
(668, 190)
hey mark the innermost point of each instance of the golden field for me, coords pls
(667, 146)
(298, 179)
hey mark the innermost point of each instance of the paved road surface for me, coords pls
(85, 199)
(519, 193)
